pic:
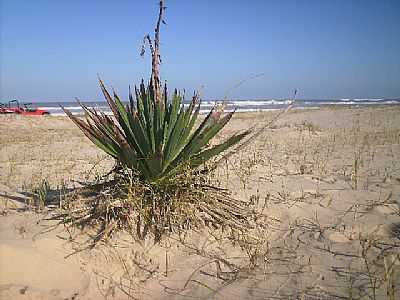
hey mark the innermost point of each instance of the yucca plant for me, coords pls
(159, 144)
(156, 139)
(154, 136)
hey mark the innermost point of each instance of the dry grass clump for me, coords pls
(128, 204)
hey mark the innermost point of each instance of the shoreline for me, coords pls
(76, 110)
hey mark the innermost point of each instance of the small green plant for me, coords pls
(40, 194)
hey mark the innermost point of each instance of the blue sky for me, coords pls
(52, 50)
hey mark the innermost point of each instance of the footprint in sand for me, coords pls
(388, 209)
(338, 237)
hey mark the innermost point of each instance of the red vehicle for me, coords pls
(14, 107)
(4, 109)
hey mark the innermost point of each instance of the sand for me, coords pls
(328, 181)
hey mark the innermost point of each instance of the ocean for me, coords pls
(240, 105)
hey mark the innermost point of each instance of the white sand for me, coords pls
(320, 214)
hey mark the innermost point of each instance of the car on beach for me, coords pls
(14, 107)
